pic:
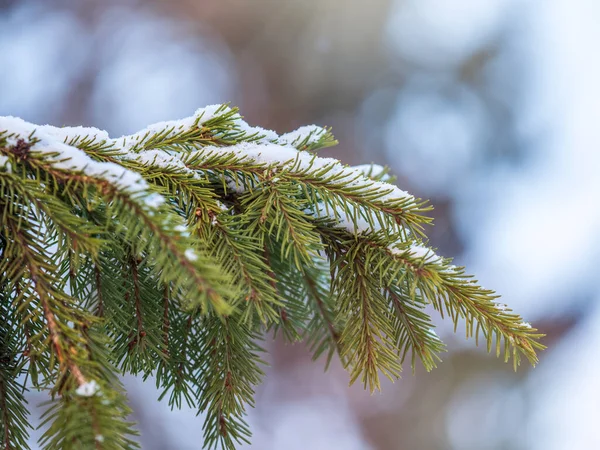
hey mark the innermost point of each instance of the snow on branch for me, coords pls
(173, 249)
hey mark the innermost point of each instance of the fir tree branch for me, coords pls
(367, 336)
(322, 332)
(230, 361)
(341, 191)
(188, 240)
(138, 210)
(414, 331)
(176, 374)
(98, 280)
(239, 253)
(65, 344)
(288, 282)
(14, 420)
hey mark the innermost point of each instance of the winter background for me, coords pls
(491, 109)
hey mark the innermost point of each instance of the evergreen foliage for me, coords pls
(174, 252)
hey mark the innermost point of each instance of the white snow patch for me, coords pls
(262, 134)
(262, 151)
(88, 389)
(154, 200)
(500, 306)
(344, 219)
(191, 255)
(310, 133)
(300, 161)
(201, 116)
(420, 251)
(59, 134)
(65, 134)
(371, 170)
(161, 159)
(236, 186)
(69, 158)
(156, 158)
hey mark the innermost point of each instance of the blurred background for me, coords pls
(488, 108)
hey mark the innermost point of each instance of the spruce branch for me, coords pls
(172, 252)
(240, 254)
(230, 367)
(14, 420)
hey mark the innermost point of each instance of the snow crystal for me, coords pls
(525, 325)
(450, 269)
(183, 230)
(88, 389)
(260, 153)
(361, 226)
(175, 126)
(500, 306)
(99, 438)
(70, 158)
(394, 250)
(191, 255)
(311, 133)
